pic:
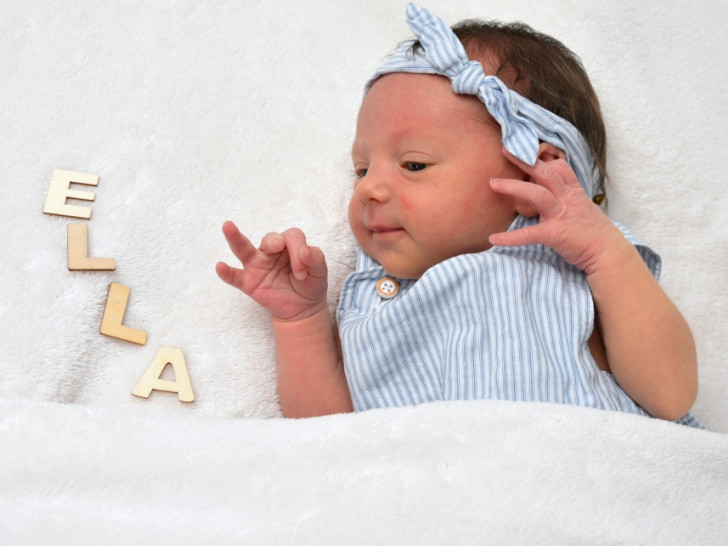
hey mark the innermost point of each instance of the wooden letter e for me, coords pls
(151, 379)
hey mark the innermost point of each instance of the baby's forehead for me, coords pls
(425, 94)
(421, 109)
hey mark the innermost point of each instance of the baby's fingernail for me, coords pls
(275, 242)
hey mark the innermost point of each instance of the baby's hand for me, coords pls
(570, 223)
(285, 275)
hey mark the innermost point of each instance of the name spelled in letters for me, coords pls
(112, 322)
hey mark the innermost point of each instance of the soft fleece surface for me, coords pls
(196, 112)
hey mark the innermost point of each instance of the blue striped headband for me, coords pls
(524, 124)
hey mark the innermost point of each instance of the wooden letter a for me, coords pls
(151, 379)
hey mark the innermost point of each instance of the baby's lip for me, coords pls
(383, 229)
(379, 223)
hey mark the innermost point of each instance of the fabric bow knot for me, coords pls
(469, 79)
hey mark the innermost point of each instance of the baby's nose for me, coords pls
(373, 186)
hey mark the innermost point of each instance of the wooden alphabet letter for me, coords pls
(111, 322)
(78, 258)
(151, 379)
(59, 190)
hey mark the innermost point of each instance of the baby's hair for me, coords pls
(543, 70)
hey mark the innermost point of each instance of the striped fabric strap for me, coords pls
(524, 124)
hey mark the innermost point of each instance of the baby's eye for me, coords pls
(361, 173)
(414, 166)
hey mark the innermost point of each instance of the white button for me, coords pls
(387, 287)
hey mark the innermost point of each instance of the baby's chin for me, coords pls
(398, 268)
(395, 264)
(403, 270)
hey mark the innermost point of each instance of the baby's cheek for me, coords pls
(355, 215)
(354, 212)
(466, 208)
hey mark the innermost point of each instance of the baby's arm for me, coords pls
(289, 279)
(649, 346)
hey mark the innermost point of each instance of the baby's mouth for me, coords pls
(386, 236)
(384, 230)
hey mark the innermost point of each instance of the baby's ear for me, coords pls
(549, 152)
(546, 152)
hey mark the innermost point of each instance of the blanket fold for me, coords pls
(511, 472)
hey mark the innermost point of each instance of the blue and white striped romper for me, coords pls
(510, 323)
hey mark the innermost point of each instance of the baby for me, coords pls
(484, 268)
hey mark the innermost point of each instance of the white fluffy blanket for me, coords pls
(195, 112)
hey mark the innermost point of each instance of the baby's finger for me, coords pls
(238, 243)
(229, 275)
(295, 242)
(540, 198)
(554, 175)
(518, 237)
(313, 259)
(272, 243)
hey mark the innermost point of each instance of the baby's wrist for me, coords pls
(618, 259)
(313, 313)
(607, 249)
